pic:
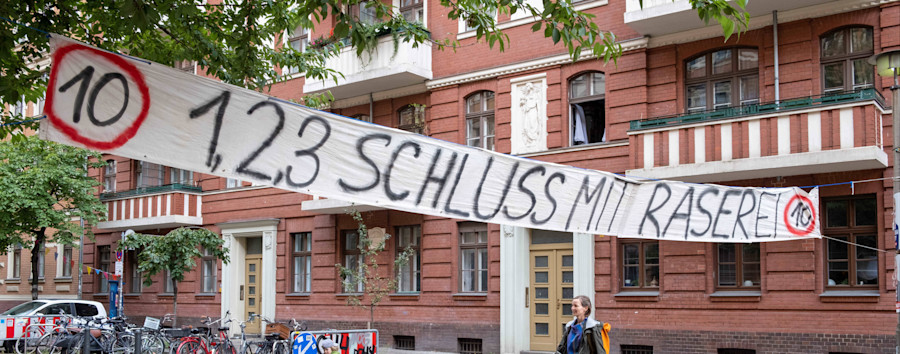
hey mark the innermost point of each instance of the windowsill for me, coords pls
(297, 295)
(560, 150)
(637, 295)
(470, 296)
(205, 295)
(62, 280)
(13, 281)
(404, 296)
(348, 294)
(736, 295)
(850, 296)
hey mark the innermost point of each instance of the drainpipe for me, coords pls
(371, 108)
(775, 35)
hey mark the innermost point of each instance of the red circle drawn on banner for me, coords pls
(812, 210)
(71, 131)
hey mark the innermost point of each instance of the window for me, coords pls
(412, 119)
(179, 176)
(56, 309)
(364, 13)
(353, 259)
(850, 222)
(408, 276)
(473, 258)
(723, 78)
(187, 66)
(738, 265)
(39, 107)
(67, 262)
(19, 108)
(208, 283)
(85, 310)
(232, 183)
(363, 117)
(413, 10)
(636, 349)
(109, 176)
(469, 345)
(103, 255)
(587, 96)
(480, 120)
(299, 40)
(169, 286)
(640, 265)
(405, 342)
(843, 55)
(17, 262)
(302, 262)
(150, 174)
(134, 275)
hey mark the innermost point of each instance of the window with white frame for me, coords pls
(301, 257)
(413, 10)
(587, 100)
(209, 272)
(408, 275)
(42, 254)
(352, 259)
(169, 285)
(232, 183)
(16, 262)
(67, 261)
(473, 258)
(299, 40)
(364, 13)
(480, 120)
(109, 176)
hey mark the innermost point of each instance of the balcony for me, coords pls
(382, 70)
(818, 134)
(161, 207)
(659, 17)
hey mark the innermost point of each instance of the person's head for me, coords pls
(581, 306)
(329, 346)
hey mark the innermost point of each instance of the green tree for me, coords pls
(376, 282)
(175, 253)
(232, 40)
(44, 190)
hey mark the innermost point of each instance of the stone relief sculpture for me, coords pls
(529, 104)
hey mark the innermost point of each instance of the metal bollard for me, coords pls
(138, 337)
(86, 340)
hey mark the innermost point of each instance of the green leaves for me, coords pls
(174, 253)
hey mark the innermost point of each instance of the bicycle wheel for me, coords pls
(49, 343)
(280, 347)
(225, 348)
(121, 344)
(153, 344)
(189, 347)
(26, 343)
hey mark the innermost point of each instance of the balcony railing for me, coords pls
(176, 187)
(866, 94)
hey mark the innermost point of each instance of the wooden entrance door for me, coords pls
(552, 290)
(252, 271)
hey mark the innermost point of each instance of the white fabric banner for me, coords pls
(147, 111)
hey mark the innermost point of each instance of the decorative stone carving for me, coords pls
(529, 114)
(267, 240)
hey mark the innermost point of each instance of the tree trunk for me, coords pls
(174, 304)
(371, 317)
(35, 254)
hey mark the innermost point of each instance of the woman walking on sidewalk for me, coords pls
(584, 335)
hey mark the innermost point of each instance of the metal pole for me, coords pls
(80, 257)
(895, 113)
(775, 39)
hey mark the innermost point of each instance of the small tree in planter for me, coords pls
(374, 281)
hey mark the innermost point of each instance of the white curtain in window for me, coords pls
(580, 134)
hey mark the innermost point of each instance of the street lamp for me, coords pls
(888, 64)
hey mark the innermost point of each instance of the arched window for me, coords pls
(412, 119)
(587, 99)
(722, 78)
(480, 120)
(843, 57)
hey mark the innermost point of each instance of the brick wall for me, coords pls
(681, 340)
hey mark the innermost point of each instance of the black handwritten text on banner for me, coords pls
(150, 112)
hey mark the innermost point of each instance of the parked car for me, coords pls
(14, 320)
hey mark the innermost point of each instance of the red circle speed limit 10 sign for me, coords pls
(800, 215)
(88, 87)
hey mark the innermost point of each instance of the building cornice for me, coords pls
(763, 21)
(627, 45)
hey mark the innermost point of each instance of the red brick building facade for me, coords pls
(681, 104)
